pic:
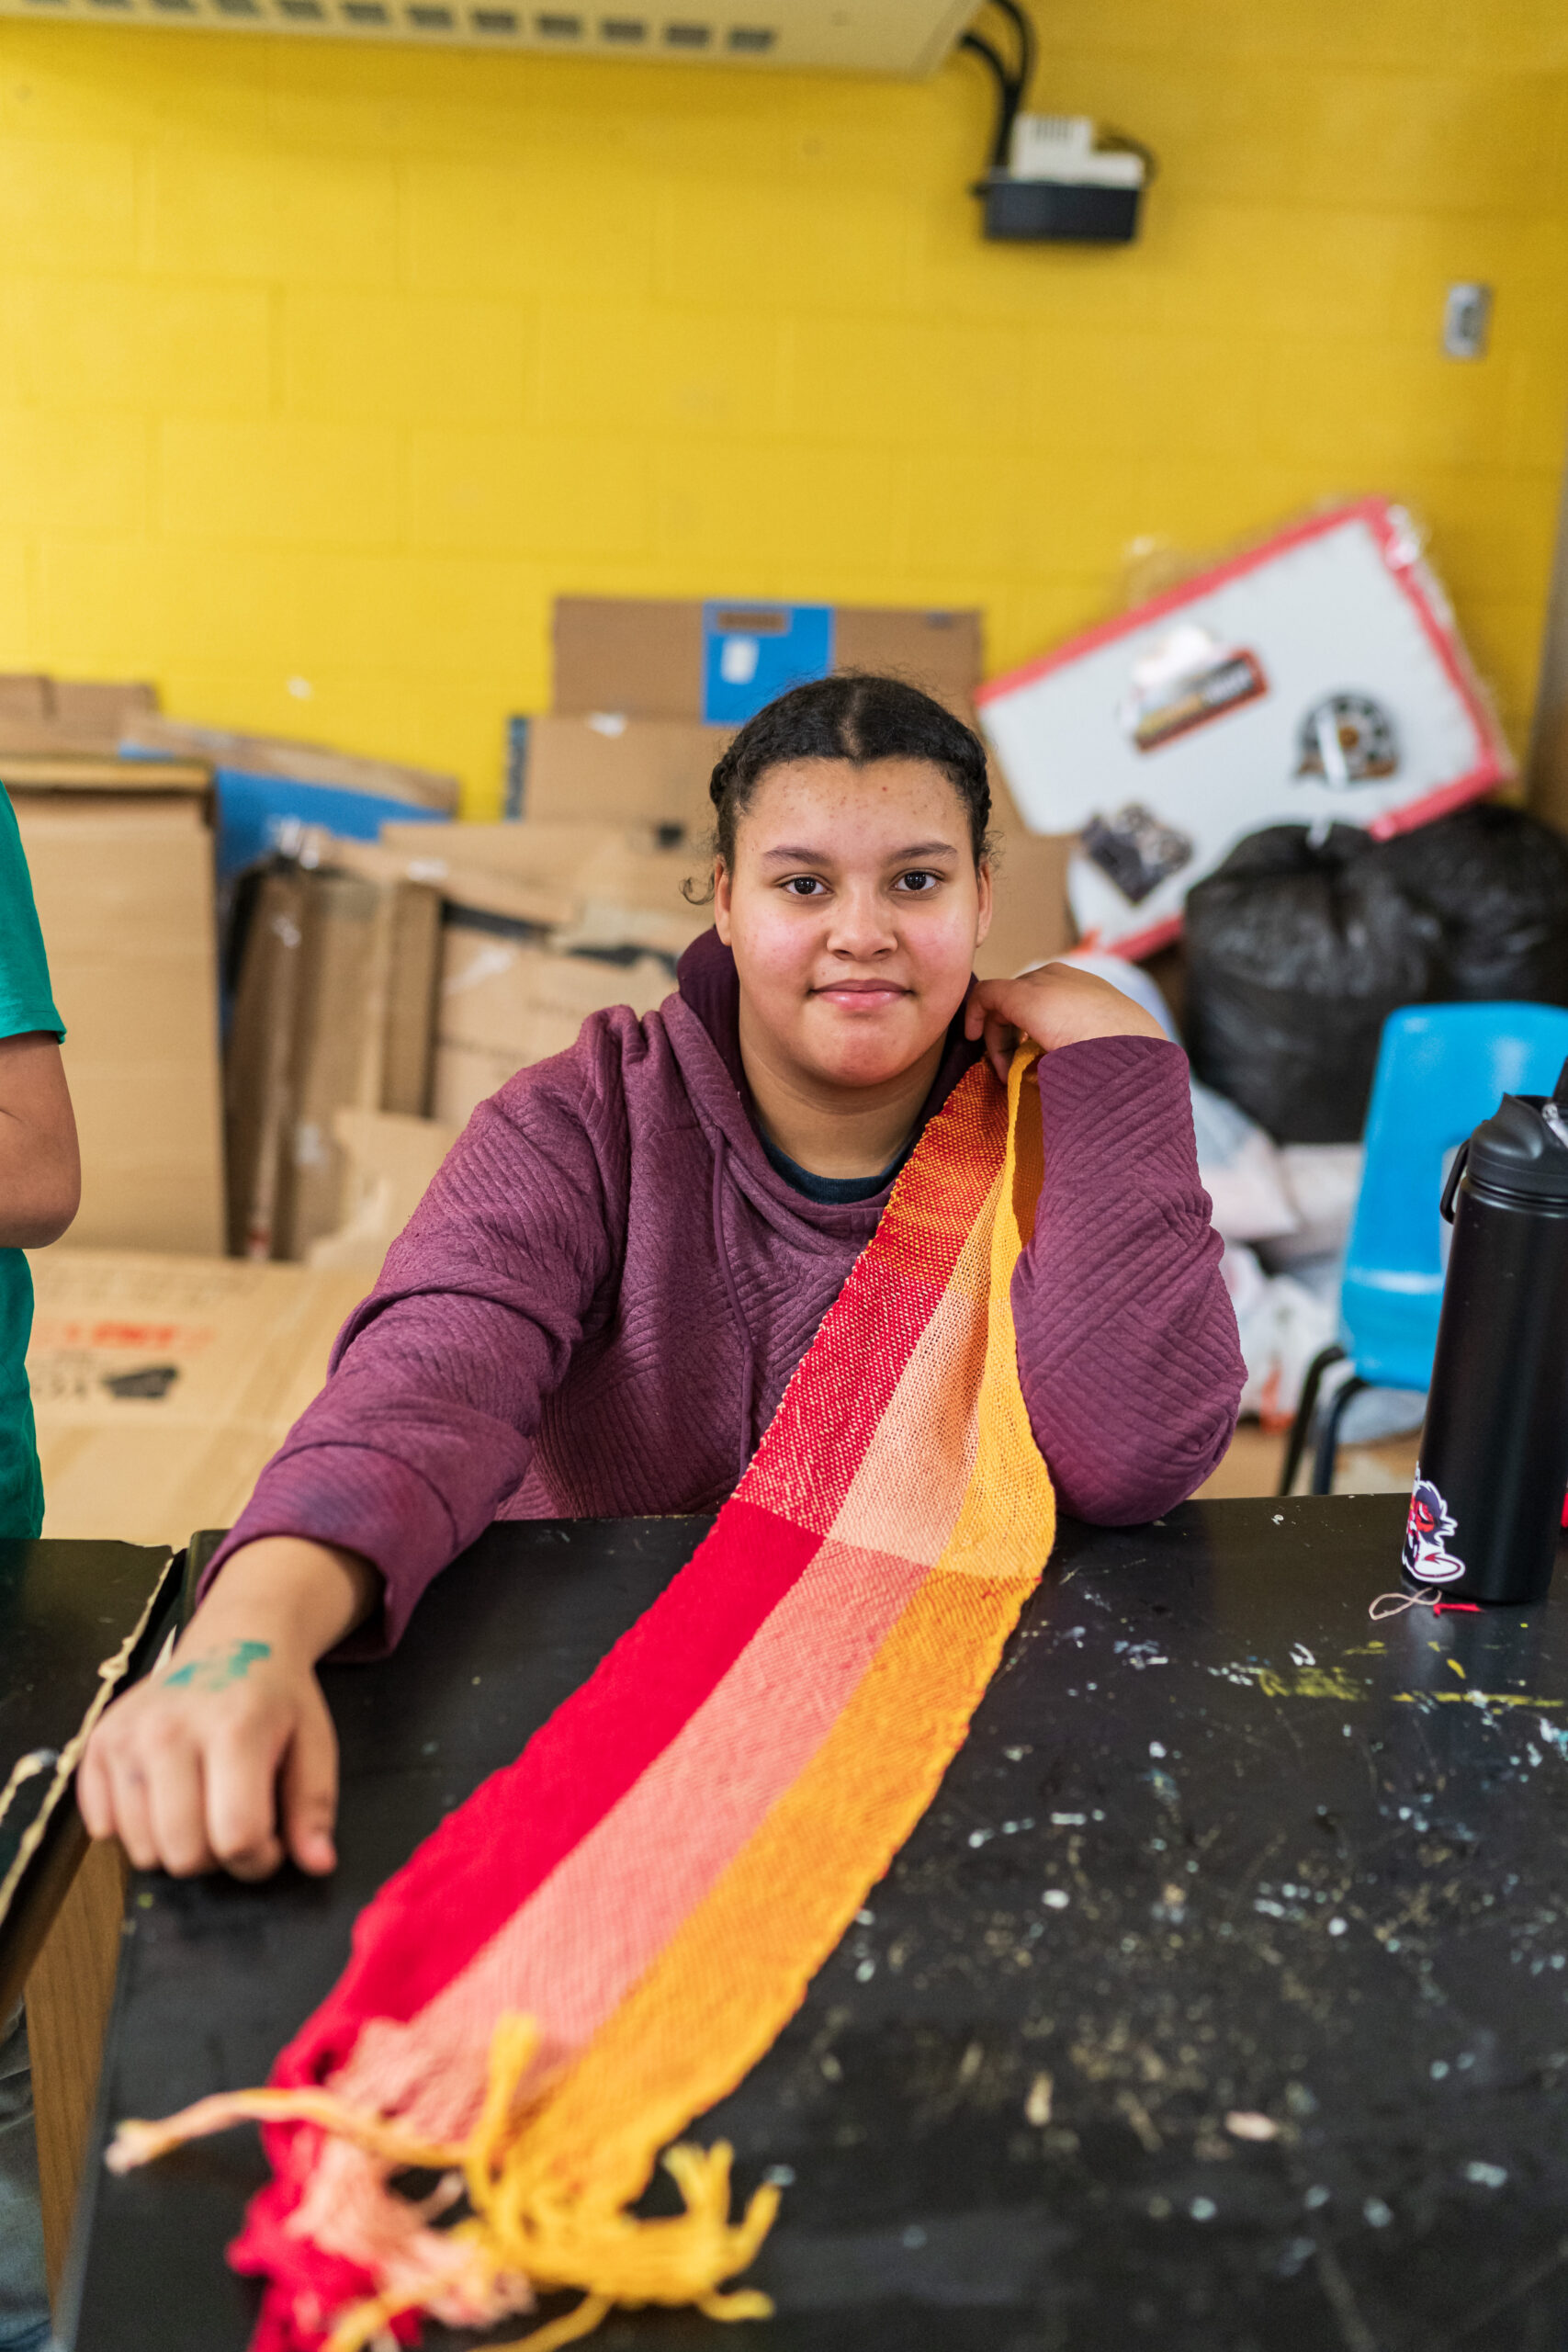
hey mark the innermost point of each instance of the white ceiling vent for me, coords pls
(908, 36)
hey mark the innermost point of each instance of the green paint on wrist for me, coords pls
(231, 1664)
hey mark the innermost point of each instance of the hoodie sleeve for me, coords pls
(437, 1380)
(1127, 1348)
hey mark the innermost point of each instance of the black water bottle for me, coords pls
(1488, 1498)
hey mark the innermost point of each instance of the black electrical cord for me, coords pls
(1009, 95)
(1012, 81)
(1024, 26)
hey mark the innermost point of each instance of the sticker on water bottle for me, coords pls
(1428, 1526)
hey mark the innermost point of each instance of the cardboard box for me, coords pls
(507, 1001)
(258, 1062)
(339, 1045)
(601, 887)
(47, 713)
(1317, 677)
(718, 661)
(124, 888)
(104, 777)
(524, 873)
(24, 695)
(334, 1009)
(621, 771)
(270, 789)
(388, 1163)
(277, 755)
(1030, 918)
(161, 1384)
(411, 968)
(103, 707)
(938, 651)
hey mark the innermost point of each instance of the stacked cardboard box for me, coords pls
(389, 1161)
(269, 787)
(658, 658)
(637, 724)
(90, 714)
(121, 859)
(506, 1003)
(544, 925)
(1030, 921)
(332, 1010)
(627, 770)
(415, 975)
(594, 888)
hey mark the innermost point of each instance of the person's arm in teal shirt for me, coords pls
(41, 1175)
(41, 1172)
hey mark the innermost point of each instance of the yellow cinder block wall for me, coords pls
(324, 366)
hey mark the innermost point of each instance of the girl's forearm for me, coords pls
(1127, 1350)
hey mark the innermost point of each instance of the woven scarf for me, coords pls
(611, 1930)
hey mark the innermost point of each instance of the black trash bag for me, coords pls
(1497, 882)
(1297, 953)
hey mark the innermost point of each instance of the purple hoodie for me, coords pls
(599, 1303)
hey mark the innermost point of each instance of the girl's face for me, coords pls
(854, 911)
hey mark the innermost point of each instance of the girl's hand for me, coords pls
(1056, 1005)
(227, 1757)
(224, 1759)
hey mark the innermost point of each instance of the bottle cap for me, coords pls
(1520, 1150)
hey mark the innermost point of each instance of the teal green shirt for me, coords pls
(26, 1003)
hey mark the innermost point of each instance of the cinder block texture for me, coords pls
(323, 368)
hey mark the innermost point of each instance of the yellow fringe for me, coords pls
(524, 2224)
(568, 2329)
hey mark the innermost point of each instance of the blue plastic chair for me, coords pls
(1441, 1069)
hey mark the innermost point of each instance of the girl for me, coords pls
(601, 1299)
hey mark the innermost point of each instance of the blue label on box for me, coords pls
(753, 652)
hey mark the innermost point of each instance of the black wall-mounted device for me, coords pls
(1053, 178)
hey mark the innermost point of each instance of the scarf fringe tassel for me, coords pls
(527, 2232)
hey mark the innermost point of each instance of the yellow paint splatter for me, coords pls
(1477, 1699)
(1455, 1667)
(1309, 1683)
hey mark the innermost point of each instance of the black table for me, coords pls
(1221, 2000)
(73, 1617)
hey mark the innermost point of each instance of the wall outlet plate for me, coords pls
(1467, 319)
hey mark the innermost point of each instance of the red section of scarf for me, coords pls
(486, 1859)
(299, 2276)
